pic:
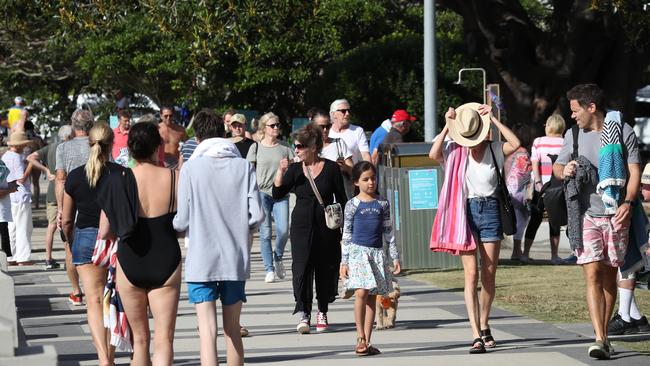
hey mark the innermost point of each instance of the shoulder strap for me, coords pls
(623, 146)
(172, 193)
(575, 130)
(313, 185)
(494, 160)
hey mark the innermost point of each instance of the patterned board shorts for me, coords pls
(603, 240)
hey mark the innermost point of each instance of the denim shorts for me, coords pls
(83, 245)
(230, 292)
(484, 218)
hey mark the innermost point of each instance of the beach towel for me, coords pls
(451, 232)
(114, 316)
(612, 174)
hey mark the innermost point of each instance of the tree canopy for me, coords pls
(289, 55)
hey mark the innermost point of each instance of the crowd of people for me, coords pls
(122, 197)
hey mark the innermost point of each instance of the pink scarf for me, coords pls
(451, 232)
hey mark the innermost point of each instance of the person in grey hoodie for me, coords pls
(217, 219)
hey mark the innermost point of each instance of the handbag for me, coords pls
(333, 212)
(506, 209)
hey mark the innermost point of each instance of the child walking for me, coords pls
(367, 227)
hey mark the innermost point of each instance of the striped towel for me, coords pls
(451, 232)
(114, 315)
(612, 174)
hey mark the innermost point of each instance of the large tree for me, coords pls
(536, 50)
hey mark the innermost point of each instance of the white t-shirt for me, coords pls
(336, 149)
(481, 176)
(355, 138)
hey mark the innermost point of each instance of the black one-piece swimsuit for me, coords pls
(151, 254)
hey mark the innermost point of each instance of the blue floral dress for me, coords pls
(366, 230)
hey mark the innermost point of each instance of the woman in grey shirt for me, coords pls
(266, 156)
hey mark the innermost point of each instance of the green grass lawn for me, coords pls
(554, 294)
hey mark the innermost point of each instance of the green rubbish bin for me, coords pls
(411, 182)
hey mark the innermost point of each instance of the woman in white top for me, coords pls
(470, 192)
(334, 149)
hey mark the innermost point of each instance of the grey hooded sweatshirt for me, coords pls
(218, 205)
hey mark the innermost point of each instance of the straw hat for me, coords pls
(18, 138)
(469, 128)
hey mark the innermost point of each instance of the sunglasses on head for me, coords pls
(299, 146)
(273, 125)
(344, 111)
(327, 126)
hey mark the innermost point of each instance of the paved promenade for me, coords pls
(431, 328)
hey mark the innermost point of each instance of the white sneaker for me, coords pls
(270, 277)
(304, 325)
(280, 272)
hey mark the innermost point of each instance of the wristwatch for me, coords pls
(629, 202)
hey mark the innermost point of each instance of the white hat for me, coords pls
(469, 128)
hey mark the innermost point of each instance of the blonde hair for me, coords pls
(555, 124)
(100, 139)
(261, 124)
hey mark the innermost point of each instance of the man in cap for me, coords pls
(17, 115)
(238, 133)
(20, 229)
(400, 126)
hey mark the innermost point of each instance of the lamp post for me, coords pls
(482, 70)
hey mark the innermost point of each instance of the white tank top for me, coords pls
(481, 176)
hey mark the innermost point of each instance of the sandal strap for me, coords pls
(478, 340)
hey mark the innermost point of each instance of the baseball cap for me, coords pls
(18, 100)
(239, 118)
(401, 115)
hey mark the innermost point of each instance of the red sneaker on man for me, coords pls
(76, 299)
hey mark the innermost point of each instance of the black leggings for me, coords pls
(4, 238)
(536, 215)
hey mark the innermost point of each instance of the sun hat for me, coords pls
(18, 138)
(239, 118)
(469, 128)
(401, 115)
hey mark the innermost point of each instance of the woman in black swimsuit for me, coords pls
(80, 222)
(148, 270)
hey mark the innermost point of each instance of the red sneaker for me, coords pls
(321, 322)
(76, 299)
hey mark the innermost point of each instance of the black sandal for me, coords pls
(477, 349)
(488, 340)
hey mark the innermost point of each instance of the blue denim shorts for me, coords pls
(230, 292)
(484, 218)
(83, 245)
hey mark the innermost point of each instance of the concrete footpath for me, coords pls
(431, 326)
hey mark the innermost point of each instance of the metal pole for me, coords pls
(430, 123)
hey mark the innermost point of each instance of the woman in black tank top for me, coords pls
(148, 271)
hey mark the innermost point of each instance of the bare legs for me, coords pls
(49, 240)
(479, 311)
(601, 295)
(71, 270)
(207, 319)
(163, 302)
(94, 279)
(364, 313)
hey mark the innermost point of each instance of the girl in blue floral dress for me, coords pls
(364, 265)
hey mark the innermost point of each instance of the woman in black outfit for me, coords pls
(315, 248)
(80, 223)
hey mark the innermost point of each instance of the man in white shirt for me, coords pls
(354, 136)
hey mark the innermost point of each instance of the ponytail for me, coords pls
(101, 141)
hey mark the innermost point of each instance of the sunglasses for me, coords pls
(326, 127)
(344, 111)
(274, 125)
(300, 146)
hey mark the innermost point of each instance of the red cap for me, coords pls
(401, 115)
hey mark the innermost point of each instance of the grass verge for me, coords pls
(553, 294)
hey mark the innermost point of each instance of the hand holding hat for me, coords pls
(468, 124)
